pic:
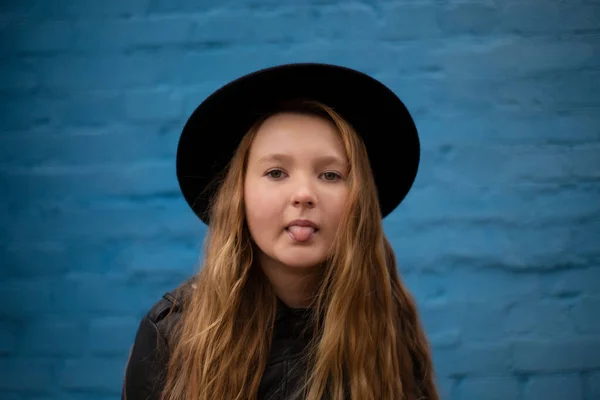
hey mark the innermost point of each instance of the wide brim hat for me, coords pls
(213, 132)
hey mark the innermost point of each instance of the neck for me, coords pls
(296, 287)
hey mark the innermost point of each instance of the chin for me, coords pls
(301, 262)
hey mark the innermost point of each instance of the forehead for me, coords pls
(297, 134)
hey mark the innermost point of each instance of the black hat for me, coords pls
(214, 130)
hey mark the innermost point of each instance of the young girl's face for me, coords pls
(295, 187)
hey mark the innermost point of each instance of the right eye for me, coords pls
(275, 173)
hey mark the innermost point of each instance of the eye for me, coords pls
(275, 173)
(331, 176)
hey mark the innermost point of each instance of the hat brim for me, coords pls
(215, 129)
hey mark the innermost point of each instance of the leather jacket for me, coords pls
(147, 364)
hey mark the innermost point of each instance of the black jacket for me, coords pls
(146, 368)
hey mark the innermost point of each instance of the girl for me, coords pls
(293, 169)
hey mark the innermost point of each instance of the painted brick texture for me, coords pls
(499, 241)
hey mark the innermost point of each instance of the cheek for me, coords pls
(341, 196)
(336, 206)
(261, 209)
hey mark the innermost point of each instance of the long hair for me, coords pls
(368, 340)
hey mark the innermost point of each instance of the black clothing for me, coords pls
(147, 365)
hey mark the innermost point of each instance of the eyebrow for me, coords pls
(325, 160)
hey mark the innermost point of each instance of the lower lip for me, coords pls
(301, 241)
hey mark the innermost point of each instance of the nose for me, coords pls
(303, 194)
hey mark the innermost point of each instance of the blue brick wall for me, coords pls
(499, 241)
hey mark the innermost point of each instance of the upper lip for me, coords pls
(303, 222)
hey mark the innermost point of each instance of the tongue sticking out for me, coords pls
(301, 233)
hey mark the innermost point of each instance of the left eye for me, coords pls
(330, 176)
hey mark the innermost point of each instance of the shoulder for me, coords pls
(147, 363)
(165, 313)
(173, 301)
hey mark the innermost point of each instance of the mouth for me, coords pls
(302, 230)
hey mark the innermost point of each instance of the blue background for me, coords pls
(499, 241)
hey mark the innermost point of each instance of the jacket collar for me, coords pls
(292, 323)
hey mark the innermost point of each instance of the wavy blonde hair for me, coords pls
(368, 341)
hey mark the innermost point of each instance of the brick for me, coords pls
(74, 395)
(285, 26)
(592, 386)
(524, 95)
(476, 18)
(540, 17)
(222, 65)
(85, 395)
(570, 283)
(22, 110)
(159, 256)
(466, 199)
(445, 339)
(56, 110)
(8, 338)
(110, 72)
(110, 294)
(446, 387)
(528, 17)
(504, 245)
(31, 374)
(141, 180)
(437, 316)
(114, 36)
(429, 95)
(20, 74)
(113, 144)
(27, 297)
(535, 163)
(394, 18)
(22, 262)
(106, 221)
(492, 244)
(473, 359)
(492, 287)
(75, 9)
(520, 57)
(553, 387)
(481, 321)
(571, 92)
(218, 66)
(340, 16)
(162, 7)
(490, 388)
(54, 260)
(154, 105)
(571, 354)
(13, 396)
(544, 319)
(426, 286)
(29, 261)
(526, 205)
(93, 374)
(94, 109)
(112, 335)
(46, 37)
(55, 337)
(584, 314)
(16, 12)
(506, 127)
(584, 237)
